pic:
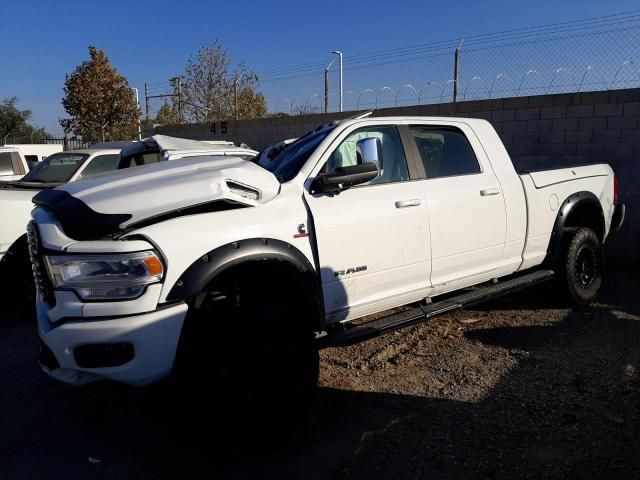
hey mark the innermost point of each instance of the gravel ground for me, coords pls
(522, 387)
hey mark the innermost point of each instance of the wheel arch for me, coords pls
(264, 253)
(580, 209)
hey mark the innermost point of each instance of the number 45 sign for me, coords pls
(222, 128)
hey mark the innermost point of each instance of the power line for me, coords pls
(574, 25)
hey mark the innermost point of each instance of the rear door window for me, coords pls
(100, 164)
(445, 152)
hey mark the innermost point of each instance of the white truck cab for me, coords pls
(181, 263)
(17, 160)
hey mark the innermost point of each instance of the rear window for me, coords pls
(6, 165)
(445, 152)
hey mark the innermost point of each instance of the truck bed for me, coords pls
(546, 190)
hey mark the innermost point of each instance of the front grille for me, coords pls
(44, 289)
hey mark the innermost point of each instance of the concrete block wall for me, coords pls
(546, 131)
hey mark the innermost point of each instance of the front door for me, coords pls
(373, 242)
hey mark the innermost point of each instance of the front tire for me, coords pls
(250, 361)
(582, 266)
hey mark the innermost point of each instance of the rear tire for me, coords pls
(581, 267)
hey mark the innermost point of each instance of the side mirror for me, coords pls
(344, 177)
(369, 150)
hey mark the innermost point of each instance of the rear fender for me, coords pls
(581, 209)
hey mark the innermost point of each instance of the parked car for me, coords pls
(229, 270)
(16, 204)
(16, 160)
(77, 164)
(162, 147)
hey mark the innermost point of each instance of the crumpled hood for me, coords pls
(136, 194)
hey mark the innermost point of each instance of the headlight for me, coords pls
(105, 277)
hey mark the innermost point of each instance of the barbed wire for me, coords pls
(599, 53)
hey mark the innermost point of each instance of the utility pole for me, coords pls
(326, 86)
(176, 86)
(339, 53)
(456, 72)
(146, 104)
(326, 90)
(138, 111)
(179, 99)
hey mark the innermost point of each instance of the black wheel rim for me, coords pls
(586, 266)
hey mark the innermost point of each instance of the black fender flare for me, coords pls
(201, 272)
(570, 204)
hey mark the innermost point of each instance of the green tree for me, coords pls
(167, 114)
(99, 101)
(210, 83)
(251, 104)
(14, 123)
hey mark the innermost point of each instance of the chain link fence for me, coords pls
(600, 53)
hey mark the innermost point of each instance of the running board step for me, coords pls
(374, 328)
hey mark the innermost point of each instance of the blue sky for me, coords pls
(151, 40)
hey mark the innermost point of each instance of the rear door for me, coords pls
(465, 204)
(372, 239)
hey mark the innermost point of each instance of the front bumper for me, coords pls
(153, 337)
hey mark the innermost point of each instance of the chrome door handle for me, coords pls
(408, 203)
(487, 192)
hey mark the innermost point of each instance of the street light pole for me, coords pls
(339, 53)
(138, 111)
(326, 86)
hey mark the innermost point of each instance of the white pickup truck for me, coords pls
(17, 160)
(16, 196)
(225, 267)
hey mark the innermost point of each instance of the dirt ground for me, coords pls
(522, 387)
